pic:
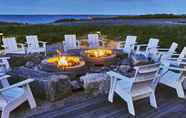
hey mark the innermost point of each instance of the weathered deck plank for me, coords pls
(169, 106)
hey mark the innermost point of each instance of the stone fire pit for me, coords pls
(99, 56)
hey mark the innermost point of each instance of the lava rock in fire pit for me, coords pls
(96, 83)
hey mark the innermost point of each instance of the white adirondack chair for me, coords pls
(34, 45)
(151, 47)
(168, 52)
(142, 85)
(94, 41)
(70, 42)
(4, 65)
(174, 79)
(11, 47)
(12, 96)
(129, 44)
(177, 59)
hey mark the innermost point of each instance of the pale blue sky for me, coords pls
(107, 7)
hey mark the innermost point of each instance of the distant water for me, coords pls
(41, 19)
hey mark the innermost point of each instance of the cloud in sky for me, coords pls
(92, 6)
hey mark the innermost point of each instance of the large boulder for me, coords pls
(96, 83)
(46, 86)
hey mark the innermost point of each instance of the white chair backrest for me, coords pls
(130, 42)
(183, 53)
(147, 75)
(32, 41)
(93, 40)
(70, 41)
(173, 47)
(10, 43)
(152, 45)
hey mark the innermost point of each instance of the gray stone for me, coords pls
(54, 87)
(47, 86)
(96, 83)
(76, 85)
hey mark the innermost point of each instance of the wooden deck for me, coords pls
(169, 106)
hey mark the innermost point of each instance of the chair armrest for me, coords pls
(3, 46)
(43, 43)
(177, 68)
(4, 77)
(19, 84)
(175, 58)
(4, 58)
(21, 44)
(118, 76)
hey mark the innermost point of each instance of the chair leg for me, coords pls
(5, 113)
(153, 100)
(111, 95)
(131, 106)
(180, 91)
(30, 97)
(111, 91)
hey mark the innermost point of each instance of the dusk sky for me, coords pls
(107, 7)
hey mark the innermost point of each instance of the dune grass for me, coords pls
(55, 33)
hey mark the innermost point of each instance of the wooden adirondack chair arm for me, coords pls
(175, 54)
(4, 46)
(19, 84)
(4, 58)
(177, 68)
(21, 45)
(177, 59)
(4, 77)
(43, 42)
(118, 76)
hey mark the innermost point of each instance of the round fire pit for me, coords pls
(99, 56)
(64, 64)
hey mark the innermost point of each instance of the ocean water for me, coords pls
(41, 19)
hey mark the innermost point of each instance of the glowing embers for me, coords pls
(98, 52)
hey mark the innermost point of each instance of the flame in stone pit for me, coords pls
(64, 61)
(98, 52)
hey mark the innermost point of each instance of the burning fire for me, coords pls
(64, 61)
(98, 52)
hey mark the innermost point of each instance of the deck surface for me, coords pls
(169, 106)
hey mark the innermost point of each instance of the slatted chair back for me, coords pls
(152, 46)
(93, 40)
(130, 43)
(70, 41)
(173, 48)
(32, 41)
(182, 75)
(10, 43)
(183, 53)
(146, 76)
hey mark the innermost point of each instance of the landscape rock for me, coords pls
(96, 83)
(46, 86)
